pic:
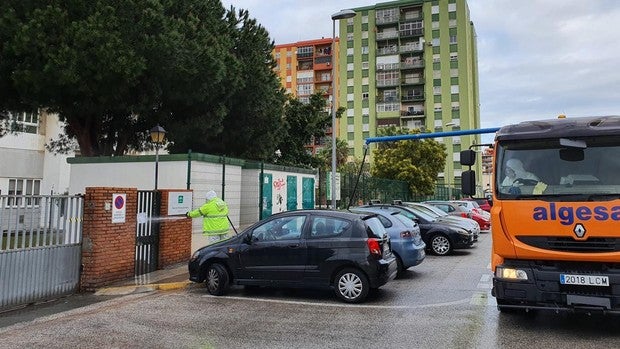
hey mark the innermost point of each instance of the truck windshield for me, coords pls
(576, 169)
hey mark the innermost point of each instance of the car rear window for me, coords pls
(375, 228)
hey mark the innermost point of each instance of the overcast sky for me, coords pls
(536, 58)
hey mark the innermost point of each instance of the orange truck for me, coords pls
(555, 214)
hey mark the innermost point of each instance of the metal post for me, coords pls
(334, 93)
(156, 163)
(343, 14)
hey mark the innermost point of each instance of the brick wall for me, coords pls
(175, 235)
(108, 249)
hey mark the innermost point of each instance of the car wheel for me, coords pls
(351, 285)
(440, 245)
(217, 279)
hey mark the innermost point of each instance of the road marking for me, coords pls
(344, 305)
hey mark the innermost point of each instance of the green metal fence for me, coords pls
(378, 189)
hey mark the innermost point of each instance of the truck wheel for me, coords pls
(440, 244)
(217, 279)
(351, 285)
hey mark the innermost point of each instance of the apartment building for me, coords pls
(410, 63)
(305, 67)
(26, 166)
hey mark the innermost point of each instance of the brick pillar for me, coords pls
(175, 234)
(108, 249)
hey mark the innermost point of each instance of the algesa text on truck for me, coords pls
(555, 214)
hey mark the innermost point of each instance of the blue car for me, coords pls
(405, 237)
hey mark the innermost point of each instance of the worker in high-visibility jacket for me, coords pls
(215, 217)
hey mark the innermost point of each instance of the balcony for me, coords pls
(387, 66)
(387, 99)
(412, 64)
(412, 114)
(386, 20)
(411, 48)
(412, 97)
(387, 35)
(407, 33)
(387, 50)
(412, 81)
(388, 82)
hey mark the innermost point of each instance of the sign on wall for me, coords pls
(179, 202)
(119, 208)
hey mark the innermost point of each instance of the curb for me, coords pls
(133, 289)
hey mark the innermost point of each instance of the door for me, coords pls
(277, 251)
(307, 194)
(267, 198)
(291, 193)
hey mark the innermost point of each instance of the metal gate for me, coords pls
(40, 247)
(147, 232)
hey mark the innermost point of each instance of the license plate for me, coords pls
(584, 280)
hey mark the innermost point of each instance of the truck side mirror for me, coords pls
(468, 182)
(468, 157)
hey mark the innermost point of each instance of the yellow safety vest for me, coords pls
(215, 213)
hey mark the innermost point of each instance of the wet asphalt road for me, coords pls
(443, 303)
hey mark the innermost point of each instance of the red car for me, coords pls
(454, 208)
(482, 202)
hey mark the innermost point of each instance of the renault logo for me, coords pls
(579, 230)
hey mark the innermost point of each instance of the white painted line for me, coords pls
(343, 305)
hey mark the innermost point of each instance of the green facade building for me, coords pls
(410, 63)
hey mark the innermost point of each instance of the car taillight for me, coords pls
(405, 234)
(464, 214)
(374, 247)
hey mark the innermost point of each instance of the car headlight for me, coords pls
(194, 256)
(510, 273)
(464, 233)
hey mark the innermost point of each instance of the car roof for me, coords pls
(322, 212)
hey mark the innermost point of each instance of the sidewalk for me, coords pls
(172, 278)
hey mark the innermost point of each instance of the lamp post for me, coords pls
(343, 14)
(157, 137)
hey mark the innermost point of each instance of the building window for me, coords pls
(349, 36)
(435, 10)
(364, 95)
(25, 122)
(28, 187)
(365, 50)
(451, 7)
(454, 89)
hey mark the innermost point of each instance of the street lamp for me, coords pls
(343, 14)
(157, 137)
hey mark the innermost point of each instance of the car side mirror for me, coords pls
(247, 239)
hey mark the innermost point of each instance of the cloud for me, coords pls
(536, 58)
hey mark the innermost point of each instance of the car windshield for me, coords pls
(559, 169)
(424, 215)
(431, 210)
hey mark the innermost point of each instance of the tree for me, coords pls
(302, 123)
(253, 126)
(415, 161)
(113, 70)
